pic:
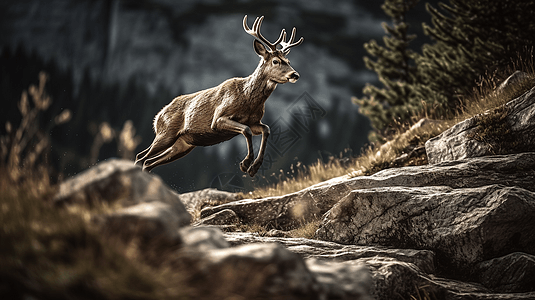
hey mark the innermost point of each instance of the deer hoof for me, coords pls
(245, 164)
(253, 169)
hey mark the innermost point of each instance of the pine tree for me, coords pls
(471, 38)
(395, 68)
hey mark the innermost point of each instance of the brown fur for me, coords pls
(218, 114)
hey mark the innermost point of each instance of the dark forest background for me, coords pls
(111, 61)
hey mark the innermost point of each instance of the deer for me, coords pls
(218, 114)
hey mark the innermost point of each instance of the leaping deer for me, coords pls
(218, 114)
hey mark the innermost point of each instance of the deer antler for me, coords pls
(256, 33)
(287, 45)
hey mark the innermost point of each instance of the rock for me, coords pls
(393, 279)
(395, 273)
(224, 217)
(342, 281)
(463, 226)
(457, 290)
(277, 233)
(515, 78)
(121, 182)
(267, 270)
(512, 273)
(225, 228)
(195, 201)
(322, 250)
(506, 129)
(147, 221)
(202, 239)
(288, 211)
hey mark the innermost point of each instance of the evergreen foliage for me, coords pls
(472, 38)
(394, 67)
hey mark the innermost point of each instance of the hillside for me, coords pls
(459, 227)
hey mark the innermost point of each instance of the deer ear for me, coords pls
(260, 49)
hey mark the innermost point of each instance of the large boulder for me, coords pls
(329, 251)
(463, 226)
(386, 273)
(121, 183)
(260, 269)
(134, 204)
(512, 273)
(506, 129)
(147, 221)
(265, 269)
(288, 211)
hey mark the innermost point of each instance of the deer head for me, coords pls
(274, 62)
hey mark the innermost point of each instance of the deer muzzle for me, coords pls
(292, 77)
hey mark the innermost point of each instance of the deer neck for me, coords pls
(257, 85)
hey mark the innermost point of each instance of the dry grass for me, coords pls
(307, 230)
(403, 148)
(23, 150)
(49, 253)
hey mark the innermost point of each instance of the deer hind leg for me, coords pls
(160, 144)
(179, 149)
(264, 130)
(226, 124)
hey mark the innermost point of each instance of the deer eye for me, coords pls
(276, 61)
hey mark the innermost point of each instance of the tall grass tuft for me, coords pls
(24, 149)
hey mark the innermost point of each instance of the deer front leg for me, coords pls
(264, 130)
(226, 124)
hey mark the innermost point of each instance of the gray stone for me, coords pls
(392, 279)
(395, 273)
(196, 200)
(450, 289)
(512, 80)
(224, 217)
(119, 182)
(517, 132)
(147, 221)
(512, 273)
(342, 281)
(464, 226)
(322, 250)
(278, 233)
(288, 211)
(202, 238)
(267, 270)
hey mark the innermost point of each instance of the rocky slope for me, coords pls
(455, 229)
